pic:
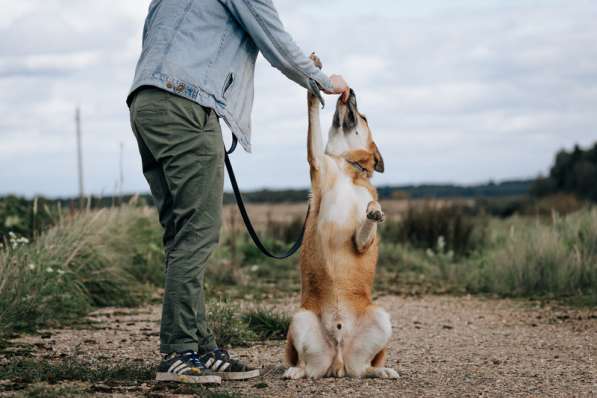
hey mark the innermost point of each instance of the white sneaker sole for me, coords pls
(251, 374)
(207, 379)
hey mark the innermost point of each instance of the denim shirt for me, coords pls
(205, 50)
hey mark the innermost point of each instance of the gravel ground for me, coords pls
(442, 346)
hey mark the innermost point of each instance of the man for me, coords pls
(197, 66)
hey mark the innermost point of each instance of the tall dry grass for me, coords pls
(98, 258)
(547, 258)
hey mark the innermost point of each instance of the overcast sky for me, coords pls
(459, 91)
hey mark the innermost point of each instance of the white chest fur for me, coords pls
(342, 201)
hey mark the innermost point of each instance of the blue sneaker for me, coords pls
(222, 365)
(185, 367)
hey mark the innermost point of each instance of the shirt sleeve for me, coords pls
(260, 20)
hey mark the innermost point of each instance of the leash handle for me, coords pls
(233, 145)
(245, 215)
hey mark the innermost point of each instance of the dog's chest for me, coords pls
(344, 203)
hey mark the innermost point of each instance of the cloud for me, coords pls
(463, 91)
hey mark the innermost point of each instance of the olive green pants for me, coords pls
(182, 153)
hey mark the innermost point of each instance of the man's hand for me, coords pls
(340, 87)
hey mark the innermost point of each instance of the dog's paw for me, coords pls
(382, 373)
(316, 60)
(374, 212)
(294, 373)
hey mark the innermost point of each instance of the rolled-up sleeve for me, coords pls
(260, 20)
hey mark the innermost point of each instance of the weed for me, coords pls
(226, 324)
(267, 324)
(41, 370)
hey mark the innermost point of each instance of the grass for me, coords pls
(267, 324)
(113, 257)
(101, 258)
(227, 325)
(28, 370)
(238, 270)
(522, 257)
(447, 228)
(75, 378)
(233, 327)
(557, 258)
(43, 391)
(532, 256)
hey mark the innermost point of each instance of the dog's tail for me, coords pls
(291, 353)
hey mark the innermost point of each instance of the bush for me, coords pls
(27, 218)
(287, 232)
(554, 259)
(225, 321)
(267, 324)
(99, 258)
(560, 203)
(425, 225)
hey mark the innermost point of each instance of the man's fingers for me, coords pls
(340, 87)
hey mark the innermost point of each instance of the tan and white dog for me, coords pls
(338, 330)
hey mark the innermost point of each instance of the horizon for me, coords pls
(460, 94)
(228, 190)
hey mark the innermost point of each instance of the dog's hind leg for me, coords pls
(365, 233)
(366, 345)
(292, 358)
(315, 353)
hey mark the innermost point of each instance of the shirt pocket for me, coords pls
(228, 84)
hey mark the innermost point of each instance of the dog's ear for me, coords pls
(379, 166)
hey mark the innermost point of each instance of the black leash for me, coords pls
(245, 215)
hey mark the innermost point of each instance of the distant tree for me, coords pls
(573, 172)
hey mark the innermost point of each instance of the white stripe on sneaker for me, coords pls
(217, 364)
(178, 368)
(174, 365)
(182, 370)
(225, 366)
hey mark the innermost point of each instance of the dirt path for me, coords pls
(442, 346)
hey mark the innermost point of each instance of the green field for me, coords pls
(113, 257)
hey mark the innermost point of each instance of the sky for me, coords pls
(459, 91)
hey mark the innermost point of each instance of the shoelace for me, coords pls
(193, 358)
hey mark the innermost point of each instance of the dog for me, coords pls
(338, 331)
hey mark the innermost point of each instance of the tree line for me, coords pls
(573, 172)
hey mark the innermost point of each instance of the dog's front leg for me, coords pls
(315, 149)
(365, 233)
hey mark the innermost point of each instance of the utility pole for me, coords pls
(121, 165)
(79, 155)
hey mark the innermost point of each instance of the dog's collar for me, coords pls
(358, 167)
